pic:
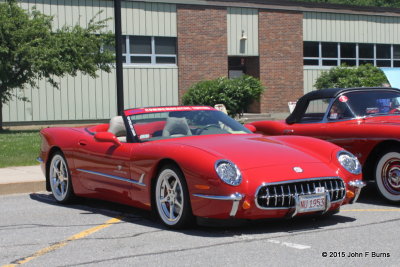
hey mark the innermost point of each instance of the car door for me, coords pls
(104, 167)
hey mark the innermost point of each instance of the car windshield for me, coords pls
(181, 123)
(365, 103)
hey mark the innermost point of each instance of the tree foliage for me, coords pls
(30, 50)
(377, 3)
(235, 94)
(345, 77)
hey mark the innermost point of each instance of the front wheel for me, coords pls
(172, 198)
(387, 175)
(60, 179)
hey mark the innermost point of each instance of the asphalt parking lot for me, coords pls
(36, 231)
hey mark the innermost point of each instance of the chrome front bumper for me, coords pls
(236, 198)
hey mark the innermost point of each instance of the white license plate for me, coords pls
(309, 203)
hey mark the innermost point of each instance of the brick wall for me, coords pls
(202, 44)
(281, 58)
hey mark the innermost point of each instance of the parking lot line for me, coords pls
(61, 244)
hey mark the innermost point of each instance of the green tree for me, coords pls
(235, 94)
(345, 77)
(30, 50)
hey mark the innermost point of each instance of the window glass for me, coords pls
(311, 62)
(140, 44)
(396, 64)
(366, 50)
(348, 50)
(311, 49)
(165, 60)
(396, 51)
(349, 62)
(165, 45)
(383, 63)
(329, 62)
(329, 50)
(383, 51)
(364, 61)
(140, 60)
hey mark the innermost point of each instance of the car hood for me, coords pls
(252, 150)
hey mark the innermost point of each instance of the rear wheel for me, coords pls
(171, 197)
(60, 179)
(387, 174)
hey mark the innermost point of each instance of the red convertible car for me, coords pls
(190, 161)
(364, 121)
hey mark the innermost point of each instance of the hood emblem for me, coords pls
(298, 169)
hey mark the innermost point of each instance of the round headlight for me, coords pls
(228, 172)
(349, 162)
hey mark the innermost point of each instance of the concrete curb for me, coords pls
(16, 180)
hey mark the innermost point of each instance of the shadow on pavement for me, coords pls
(205, 228)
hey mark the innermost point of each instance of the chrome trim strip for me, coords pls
(39, 159)
(358, 184)
(236, 198)
(140, 182)
(295, 208)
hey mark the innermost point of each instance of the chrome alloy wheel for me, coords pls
(388, 176)
(169, 197)
(59, 178)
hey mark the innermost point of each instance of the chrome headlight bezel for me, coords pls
(231, 175)
(349, 162)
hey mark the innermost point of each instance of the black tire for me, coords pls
(60, 179)
(387, 174)
(171, 198)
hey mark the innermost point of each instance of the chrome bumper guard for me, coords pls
(358, 185)
(236, 198)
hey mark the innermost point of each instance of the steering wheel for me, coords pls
(201, 129)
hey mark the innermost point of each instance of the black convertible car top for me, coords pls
(303, 101)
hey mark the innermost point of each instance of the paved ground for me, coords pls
(36, 231)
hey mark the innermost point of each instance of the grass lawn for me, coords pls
(19, 147)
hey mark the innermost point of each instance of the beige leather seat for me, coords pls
(117, 127)
(176, 127)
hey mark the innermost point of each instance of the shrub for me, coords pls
(345, 77)
(236, 94)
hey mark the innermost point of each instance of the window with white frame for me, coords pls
(149, 50)
(352, 54)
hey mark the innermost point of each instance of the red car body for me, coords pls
(368, 126)
(99, 165)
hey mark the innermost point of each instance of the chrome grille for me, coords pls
(281, 195)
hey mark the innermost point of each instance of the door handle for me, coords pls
(82, 142)
(288, 131)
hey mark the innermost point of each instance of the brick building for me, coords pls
(169, 45)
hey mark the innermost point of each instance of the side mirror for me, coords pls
(107, 137)
(251, 127)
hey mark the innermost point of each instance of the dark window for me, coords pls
(383, 51)
(396, 63)
(311, 62)
(396, 51)
(140, 44)
(140, 60)
(329, 50)
(347, 50)
(329, 63)
(366, 50)
(165, 60)
(364, 61)
(383, 63)
(311, 49)
(165, 45)
(349, 62)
